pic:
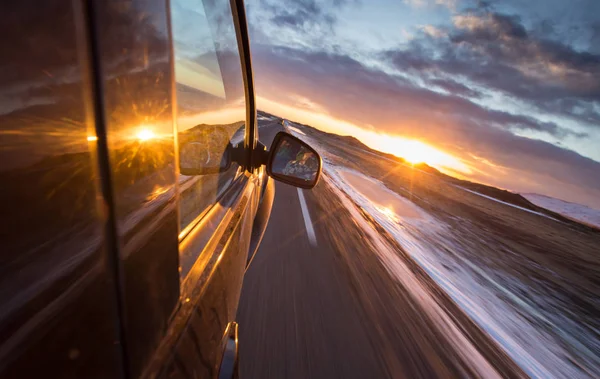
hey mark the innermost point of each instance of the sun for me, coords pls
(417, 152)
(414, 151)
(145, 134)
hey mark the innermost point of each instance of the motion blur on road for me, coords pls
(317, 303)
(361, 279)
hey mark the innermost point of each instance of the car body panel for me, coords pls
(95, 250)
(211, 295)
(58, 313)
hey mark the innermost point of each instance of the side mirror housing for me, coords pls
(293, 161)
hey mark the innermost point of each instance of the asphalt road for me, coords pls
(322, 305)
(297, 316)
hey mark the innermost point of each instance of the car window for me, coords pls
(141, 167)
(211, 107)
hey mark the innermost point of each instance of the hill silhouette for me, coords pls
(483, 189)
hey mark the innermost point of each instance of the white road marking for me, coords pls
(312, 238)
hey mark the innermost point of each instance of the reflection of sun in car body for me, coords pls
(145, 134)
(168, 195)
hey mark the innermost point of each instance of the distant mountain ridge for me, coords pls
(494, 192)
(574, 211)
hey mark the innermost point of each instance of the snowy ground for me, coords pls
(434, 245)
(531, 322)
(570, 210)
(508, 204)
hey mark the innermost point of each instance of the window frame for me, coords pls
(216, 221)
(195, 238)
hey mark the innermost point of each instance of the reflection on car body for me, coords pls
(117, 260)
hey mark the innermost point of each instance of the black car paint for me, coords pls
(90, 284)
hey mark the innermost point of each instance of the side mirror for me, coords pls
(294, 162)
(204, 151)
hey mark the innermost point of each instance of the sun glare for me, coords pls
(415, 152)
(145, 134)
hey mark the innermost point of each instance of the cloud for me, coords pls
(496, 51)
(347, 90)
(434, 31)
(474, 86)
(294, 22)
(503, 37)
(491, 24)
(322, 71)
(300, 14)
(450, 4)
(455, 88)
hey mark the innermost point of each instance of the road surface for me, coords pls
(318, 303)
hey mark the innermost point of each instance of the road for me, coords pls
(323, 306)
(299, 317)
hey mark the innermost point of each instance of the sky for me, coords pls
(504, 93)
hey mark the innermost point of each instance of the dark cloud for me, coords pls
(350, 91)
(301, 14)
(496, 51)
(503, 38)
(595, 37)
(532, 156)
(435, 84)
(352, 78)
(297, 15)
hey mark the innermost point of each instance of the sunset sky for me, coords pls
(508, 95)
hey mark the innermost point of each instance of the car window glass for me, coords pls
(211, 107)
(134, 54)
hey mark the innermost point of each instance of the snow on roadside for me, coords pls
(479, 302)
(570, 210)
(514, 324)
(296, 130)
(406, 277)
(506, 203)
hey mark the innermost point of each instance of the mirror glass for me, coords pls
(204, 150)
(294, 162)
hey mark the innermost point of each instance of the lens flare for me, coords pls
(145, 135)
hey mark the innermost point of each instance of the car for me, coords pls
(135, 190)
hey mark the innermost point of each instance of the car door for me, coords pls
(213, 246)
(115, 264)
(215, 102)
(59, 314)
(173, 86)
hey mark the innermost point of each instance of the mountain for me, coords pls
(496, 193)
(573, 211)
(570, 213)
